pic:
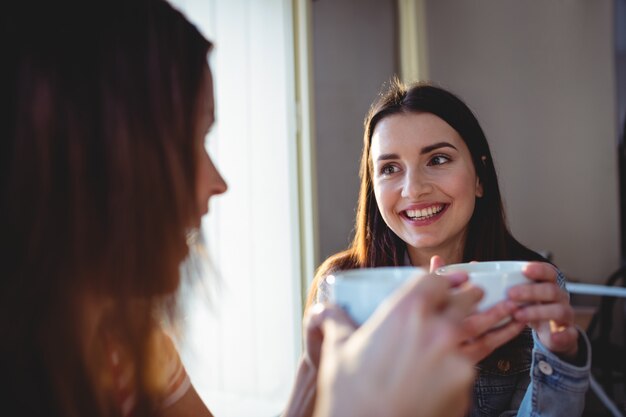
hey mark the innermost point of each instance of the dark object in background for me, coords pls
(608, 341)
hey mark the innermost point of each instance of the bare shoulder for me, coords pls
(189, 405)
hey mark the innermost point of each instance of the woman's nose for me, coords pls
(415, 185)
(218, 184)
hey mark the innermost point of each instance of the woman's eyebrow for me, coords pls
(387, 156)
(438, 145)
(425, 150)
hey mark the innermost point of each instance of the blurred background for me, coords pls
(293, 82)
(542, 80)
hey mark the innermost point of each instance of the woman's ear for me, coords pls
(479, 187)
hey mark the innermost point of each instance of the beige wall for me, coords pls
(354, 52)
(540, 77)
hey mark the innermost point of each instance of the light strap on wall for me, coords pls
(413, 40)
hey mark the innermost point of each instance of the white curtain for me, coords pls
(242, 344)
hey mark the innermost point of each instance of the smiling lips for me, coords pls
(425, 213)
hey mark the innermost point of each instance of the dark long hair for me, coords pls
(374, 243)
(97, 185)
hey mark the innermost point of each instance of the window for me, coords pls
(243, 344)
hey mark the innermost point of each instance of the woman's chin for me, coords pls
(422, 242)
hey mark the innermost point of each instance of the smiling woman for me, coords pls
(426, 116)
(418, 179)
(429, 193)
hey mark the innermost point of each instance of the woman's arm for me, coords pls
(557, 387)
(302, 399)
(303, 395)
(561, 357)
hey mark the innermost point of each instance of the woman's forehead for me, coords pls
(206, 100)
(414, 130)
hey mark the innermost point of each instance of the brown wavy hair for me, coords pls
(374, 243)
(97, 186)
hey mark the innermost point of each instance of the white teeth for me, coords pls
(424, 213)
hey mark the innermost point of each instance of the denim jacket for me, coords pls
(523, 378)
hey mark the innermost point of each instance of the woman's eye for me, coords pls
(388, 169)
(439, 160)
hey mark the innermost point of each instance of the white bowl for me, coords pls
(493, 277)
(360, 291)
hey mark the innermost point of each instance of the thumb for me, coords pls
(436, 262)
(336, 326)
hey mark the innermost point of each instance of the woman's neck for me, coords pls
(451, 254)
